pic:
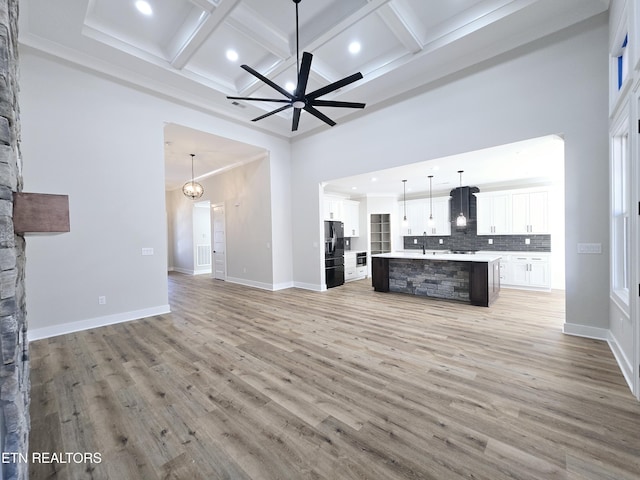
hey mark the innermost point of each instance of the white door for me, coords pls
(219, 242)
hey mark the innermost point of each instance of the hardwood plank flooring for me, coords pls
(240, 383)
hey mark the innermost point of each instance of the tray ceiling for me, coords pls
(180, 49)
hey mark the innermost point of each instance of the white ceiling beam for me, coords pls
(322, 71)
(341, 26)
(399, 26)
(202, 32)
(206, 5)
(252, 25)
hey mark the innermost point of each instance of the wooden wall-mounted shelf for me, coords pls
(40, 213)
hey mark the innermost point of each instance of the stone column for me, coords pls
(14, 369)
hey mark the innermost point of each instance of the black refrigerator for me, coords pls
(334, 253)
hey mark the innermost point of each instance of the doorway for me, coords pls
(219, 242)
(201, 238)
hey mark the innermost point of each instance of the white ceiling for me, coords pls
(531, 162)
(213, 154)
(180, 50)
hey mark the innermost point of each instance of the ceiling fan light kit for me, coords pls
(300, 99)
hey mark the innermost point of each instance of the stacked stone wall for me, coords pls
(14, 369)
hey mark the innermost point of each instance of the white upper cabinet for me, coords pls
(345, 211)
(494, 213)
(513, 212)
(333, 208)
(351, 218)
(530, 212)
(418, 217)
(417, 223)
(441, 225)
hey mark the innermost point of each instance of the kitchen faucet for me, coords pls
(424, 241)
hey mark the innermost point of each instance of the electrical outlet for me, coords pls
(440, 241)
(102, 300)
(415, 241)
(527, 241)
(491, 241)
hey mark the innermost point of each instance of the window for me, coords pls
(620, 206)
(623, 62)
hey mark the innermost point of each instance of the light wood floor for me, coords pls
(239, 383)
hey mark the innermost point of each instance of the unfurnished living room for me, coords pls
(303, 239)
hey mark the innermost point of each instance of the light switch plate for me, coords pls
(590, 248)
(147, 251)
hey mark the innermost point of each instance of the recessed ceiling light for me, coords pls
(374, 179)
(354, 188)
(290, 87)
(232, 55)
(144, 7)
(354, 47)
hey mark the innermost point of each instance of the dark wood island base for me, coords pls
(449, 276)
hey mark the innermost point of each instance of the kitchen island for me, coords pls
(470, 278)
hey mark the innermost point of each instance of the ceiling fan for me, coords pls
(300, 99)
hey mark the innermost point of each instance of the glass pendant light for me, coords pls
(461, 221)
(430, 222)
(405, 222)
(192, 189)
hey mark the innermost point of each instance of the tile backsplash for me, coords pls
(467, 239)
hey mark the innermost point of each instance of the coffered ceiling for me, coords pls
(180, 48)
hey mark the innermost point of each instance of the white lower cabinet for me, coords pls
(352, 271)
(525, 270)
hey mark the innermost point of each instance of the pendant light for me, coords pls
(461, 221)
(192, 189)
(430, 222)
(405, 222)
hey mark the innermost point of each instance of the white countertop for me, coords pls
(455, 257)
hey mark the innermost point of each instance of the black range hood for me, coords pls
(463, 200)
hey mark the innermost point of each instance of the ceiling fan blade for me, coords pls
(277, 110)
(332, 103)
(279, 100)
(334, 86)
(273, 85)
(320, 115)
(296, 119)
(303, 77)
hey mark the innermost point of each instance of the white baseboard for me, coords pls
(186, 271)
(623, 362)
(71, 327)
(282, 286)
(250, 283)
(586, 331)
(604, 334)
(310, 286)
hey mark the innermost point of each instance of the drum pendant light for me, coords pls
(192, 189)
(461, 221)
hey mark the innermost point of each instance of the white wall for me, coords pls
(245, 193)
(102, 143)
(180, 229)
(558, 86)
(624, 319)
